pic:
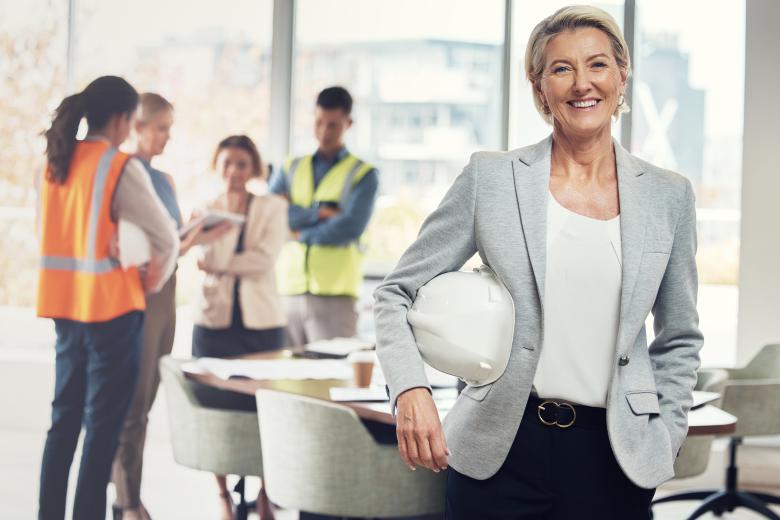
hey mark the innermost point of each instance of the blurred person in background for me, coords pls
(97, 307)
(238, 310)
(332, 194)
(153, 122)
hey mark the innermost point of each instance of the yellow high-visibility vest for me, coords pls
(321, 269)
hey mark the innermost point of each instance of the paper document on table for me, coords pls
(358, 394)
(277, 368)
(340, 347)
(701, 398)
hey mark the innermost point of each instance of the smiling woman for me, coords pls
(565, 59)
(576, 249)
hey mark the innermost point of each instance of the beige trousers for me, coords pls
(159, 328)
(311, 318)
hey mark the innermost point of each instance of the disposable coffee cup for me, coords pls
(362, 366)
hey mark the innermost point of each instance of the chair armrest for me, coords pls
(711, 379)
(755, 403)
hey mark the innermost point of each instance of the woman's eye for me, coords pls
(560, 70)
(599, 65)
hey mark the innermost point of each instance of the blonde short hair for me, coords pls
(567, 19)
(151, 104)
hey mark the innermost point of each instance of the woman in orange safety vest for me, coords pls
(97, 306)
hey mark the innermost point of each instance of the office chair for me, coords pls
(319, 458)
(225, 442)
(752, 394)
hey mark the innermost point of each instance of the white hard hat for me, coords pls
(134, 247)
(463, 323)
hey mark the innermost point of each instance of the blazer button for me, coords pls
(624, 361)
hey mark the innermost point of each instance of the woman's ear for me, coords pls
(537, 85)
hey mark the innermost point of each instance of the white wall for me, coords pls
(759, 277)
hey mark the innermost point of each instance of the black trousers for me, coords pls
(552, 473)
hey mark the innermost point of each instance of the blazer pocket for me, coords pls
(477, 393)
(643, 402)
(658, 246)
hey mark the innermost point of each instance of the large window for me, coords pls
(33, 50)
(213, 64)
(687, 116)
(428, 83)
(688, 112)
(426, 79)
(211, 61)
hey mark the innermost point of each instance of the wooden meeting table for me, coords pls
(705, 420)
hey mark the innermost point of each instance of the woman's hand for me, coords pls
(203, 267)
(421, 440)
(199, 236)
(190, 239)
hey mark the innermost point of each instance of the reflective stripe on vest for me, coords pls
(84, 265)
(89, 264)
(78, 279)
(322, 269)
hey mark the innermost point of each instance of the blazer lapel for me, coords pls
(532, 180)
(632, 228)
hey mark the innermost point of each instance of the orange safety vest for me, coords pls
(78, 280)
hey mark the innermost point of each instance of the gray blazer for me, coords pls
(497, 208)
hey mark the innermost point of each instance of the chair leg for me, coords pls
(764, 497)
(729, 498)
(716, 503)
(689, 495)
(748, 501)
(243, 507)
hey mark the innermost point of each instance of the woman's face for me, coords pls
(153, 134)
(236, 167)
(581, 82)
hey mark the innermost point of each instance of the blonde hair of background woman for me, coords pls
(151, 104)
(567, 19)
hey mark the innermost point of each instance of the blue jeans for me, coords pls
(96, 370)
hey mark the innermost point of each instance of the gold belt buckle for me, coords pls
(540, 409)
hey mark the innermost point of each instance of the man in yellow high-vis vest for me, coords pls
(331, 194)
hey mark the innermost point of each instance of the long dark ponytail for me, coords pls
(103, 98)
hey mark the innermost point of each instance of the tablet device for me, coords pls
(212, 218)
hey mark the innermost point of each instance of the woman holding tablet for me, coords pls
(239, 310)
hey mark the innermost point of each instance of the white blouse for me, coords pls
(581, 307)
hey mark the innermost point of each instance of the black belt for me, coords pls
(560, 414)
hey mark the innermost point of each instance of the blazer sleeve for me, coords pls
(674, 352)
(445, 242)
